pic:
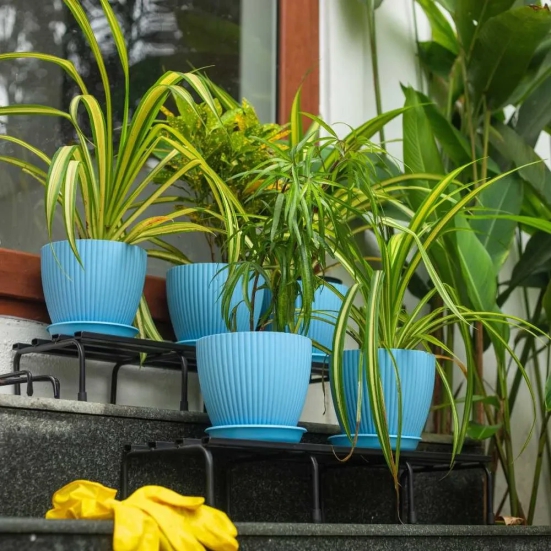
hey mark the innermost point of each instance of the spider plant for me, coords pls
(114, 180)
(384, 322)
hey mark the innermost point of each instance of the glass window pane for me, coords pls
(233, 40)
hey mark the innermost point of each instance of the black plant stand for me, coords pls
(18, 377)
(121, 351)
(318, 456)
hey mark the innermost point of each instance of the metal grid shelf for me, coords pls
(122, 351)
(318, 456)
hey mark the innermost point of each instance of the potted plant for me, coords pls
(382, 391)
(254, 383)
(94, 280)
(228, 140)
(254, 159)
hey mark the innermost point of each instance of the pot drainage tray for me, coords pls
(266, 433)
(72, 327)
(407, 443)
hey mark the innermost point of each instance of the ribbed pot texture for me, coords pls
(416, 370)
(194, 301)
(106, 288)
(326, 305)
(254, 378)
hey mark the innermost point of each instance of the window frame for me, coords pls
(298, 64)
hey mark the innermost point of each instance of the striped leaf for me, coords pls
(65, 64)
(69, 204)
(55, 179)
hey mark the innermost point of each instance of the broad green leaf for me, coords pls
(449, 5)
(442, 32)
(548, 395)
(420, 151)
(535, 113)
(477, 268)
(502, 53)
(494, 233)
(538, 71)
(437, 59)
(535, 259)
(372, 3)
(482, 432)
(453, 143)
(511, 146)
(470, 16)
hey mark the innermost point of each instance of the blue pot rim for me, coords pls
(264, 334)
(393, 350)
(191, 264)
(115, 243)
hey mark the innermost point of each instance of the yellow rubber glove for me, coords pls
(151, 519)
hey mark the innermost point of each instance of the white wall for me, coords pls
(145, 387)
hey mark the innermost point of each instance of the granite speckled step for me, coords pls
(46, 535)
(46, 443)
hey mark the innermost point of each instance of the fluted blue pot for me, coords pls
(254, 378)
(194, 294)
(416, 370)
(325, 310)
(105, 291)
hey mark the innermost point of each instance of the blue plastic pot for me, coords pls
(194, 294)
(253, 379)
(102, 295)
(326, 306)
(416, 370)
(325, 310)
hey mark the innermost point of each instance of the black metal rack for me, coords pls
(21, 377)
(317, 456)
(122, 351)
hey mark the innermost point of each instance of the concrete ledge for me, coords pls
(68, 535)
(110, 410)
(43, 526)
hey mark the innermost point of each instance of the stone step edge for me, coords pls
(192, 417)
(13, 525)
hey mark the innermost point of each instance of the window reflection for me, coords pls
(233, 40)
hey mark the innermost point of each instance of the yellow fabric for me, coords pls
(151, 519)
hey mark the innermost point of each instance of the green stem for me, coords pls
(418, 70)
(372, 31)
(510, 464)
(468, 117)
(486, 142)
(449, 368)
(542, 443)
